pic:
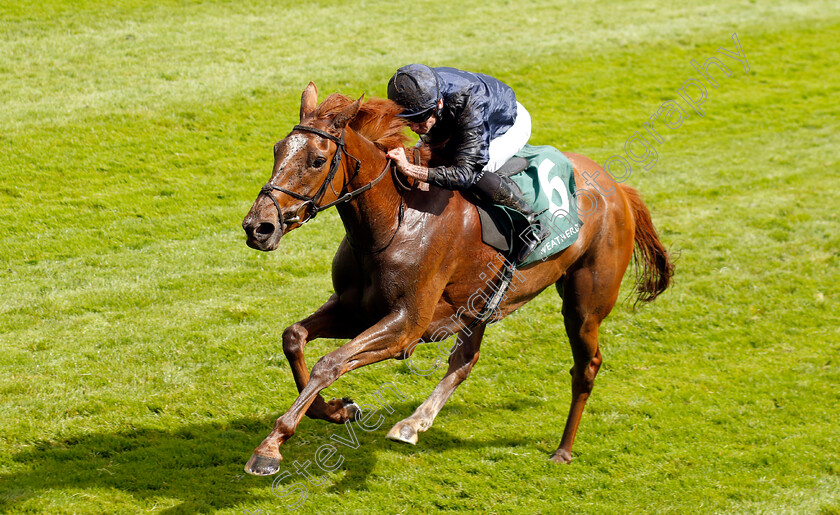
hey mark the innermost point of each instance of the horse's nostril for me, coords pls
(265, 228)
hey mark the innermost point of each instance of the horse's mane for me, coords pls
(376, 120)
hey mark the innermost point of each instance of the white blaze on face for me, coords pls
(294, 144)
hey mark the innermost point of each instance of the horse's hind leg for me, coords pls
(587, 299)
(329, 321)
(461, 362)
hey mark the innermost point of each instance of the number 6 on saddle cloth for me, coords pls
(548, 184)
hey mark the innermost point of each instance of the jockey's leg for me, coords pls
(501, 190)
(490, 187)
(504, 146)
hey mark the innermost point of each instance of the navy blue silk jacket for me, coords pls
(476, 109)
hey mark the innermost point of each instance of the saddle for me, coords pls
(491, 232)
(545, 178)
(513, 166)
(535, 171)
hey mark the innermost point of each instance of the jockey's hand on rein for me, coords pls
(420, 173)
(398, 156)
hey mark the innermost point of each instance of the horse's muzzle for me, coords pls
(262, 234)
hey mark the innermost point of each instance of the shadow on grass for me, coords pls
(201, 465)
(360, 462)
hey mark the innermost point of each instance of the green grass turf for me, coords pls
(140, 337)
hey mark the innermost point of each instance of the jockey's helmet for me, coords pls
(416, 88)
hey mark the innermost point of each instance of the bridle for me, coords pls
(312, 202)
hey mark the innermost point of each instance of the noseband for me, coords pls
(312, 202)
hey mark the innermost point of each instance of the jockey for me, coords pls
(473, 123)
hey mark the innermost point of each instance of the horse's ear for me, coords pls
(341, 119)
(309, 100)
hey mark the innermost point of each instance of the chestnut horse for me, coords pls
(401, 274)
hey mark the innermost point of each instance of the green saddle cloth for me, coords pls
(548, 185)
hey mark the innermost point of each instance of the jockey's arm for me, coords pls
(467, 161)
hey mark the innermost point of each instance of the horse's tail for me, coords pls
(653, 263)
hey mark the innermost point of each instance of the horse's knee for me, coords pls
(328, 368)
(583, 376)
(595, 363)
(294, 338)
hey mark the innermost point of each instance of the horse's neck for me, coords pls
(371, 218)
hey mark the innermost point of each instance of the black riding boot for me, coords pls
(503, 191)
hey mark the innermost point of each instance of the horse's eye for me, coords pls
(318, 162)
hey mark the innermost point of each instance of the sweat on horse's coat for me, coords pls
(422, 277)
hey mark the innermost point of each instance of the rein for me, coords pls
(312, 202)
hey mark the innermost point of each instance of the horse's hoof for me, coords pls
(260, 465)
(354, 412)
(561, 456)
(402, 433)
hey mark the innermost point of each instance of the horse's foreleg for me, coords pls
(329, 321)
(461, 362)
(387, 339)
